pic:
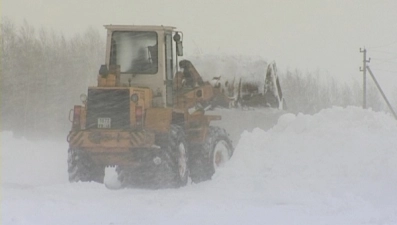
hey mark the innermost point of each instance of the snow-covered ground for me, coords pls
(336, 167)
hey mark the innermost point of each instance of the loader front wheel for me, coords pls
(208, 157)
(221, 154)
(80, 168)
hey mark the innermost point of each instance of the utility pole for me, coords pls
(364, 70)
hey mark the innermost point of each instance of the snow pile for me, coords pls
(335, 144)
(342, 161)
(336, 167)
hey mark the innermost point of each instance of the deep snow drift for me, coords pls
(336, 167)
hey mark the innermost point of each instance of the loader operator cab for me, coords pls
(146, 56)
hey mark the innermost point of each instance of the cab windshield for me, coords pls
(135, 51)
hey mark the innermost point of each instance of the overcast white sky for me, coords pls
(306, 35)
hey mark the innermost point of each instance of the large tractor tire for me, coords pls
(207, 157)
(179, 152)
(81, 168)
(166, 167)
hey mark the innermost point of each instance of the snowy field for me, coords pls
(336, 167)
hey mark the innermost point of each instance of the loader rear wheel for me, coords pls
(211, 155)
(180, 152)
(166, 167)
(81, 168)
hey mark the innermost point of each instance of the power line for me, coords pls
(390, 60)
(387, 52)
(386, 45)
(390, 71)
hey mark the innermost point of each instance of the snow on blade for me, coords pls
(336, 167)
(250, 68)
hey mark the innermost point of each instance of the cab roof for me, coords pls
(138, 27)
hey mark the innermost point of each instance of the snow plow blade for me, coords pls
(244, 93)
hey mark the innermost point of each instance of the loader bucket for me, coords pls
(248, 93)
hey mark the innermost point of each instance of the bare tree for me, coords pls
(43, 74)
(309, 93)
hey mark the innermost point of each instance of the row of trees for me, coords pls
(43, 73)
(42, 76)
(308, 93)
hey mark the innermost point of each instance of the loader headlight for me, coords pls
(134, 98)
(157, 160)
(83, 98)
(177, 37)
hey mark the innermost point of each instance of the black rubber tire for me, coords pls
(172, 172)
(203, 156)
(81, 168)
(179, 154)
